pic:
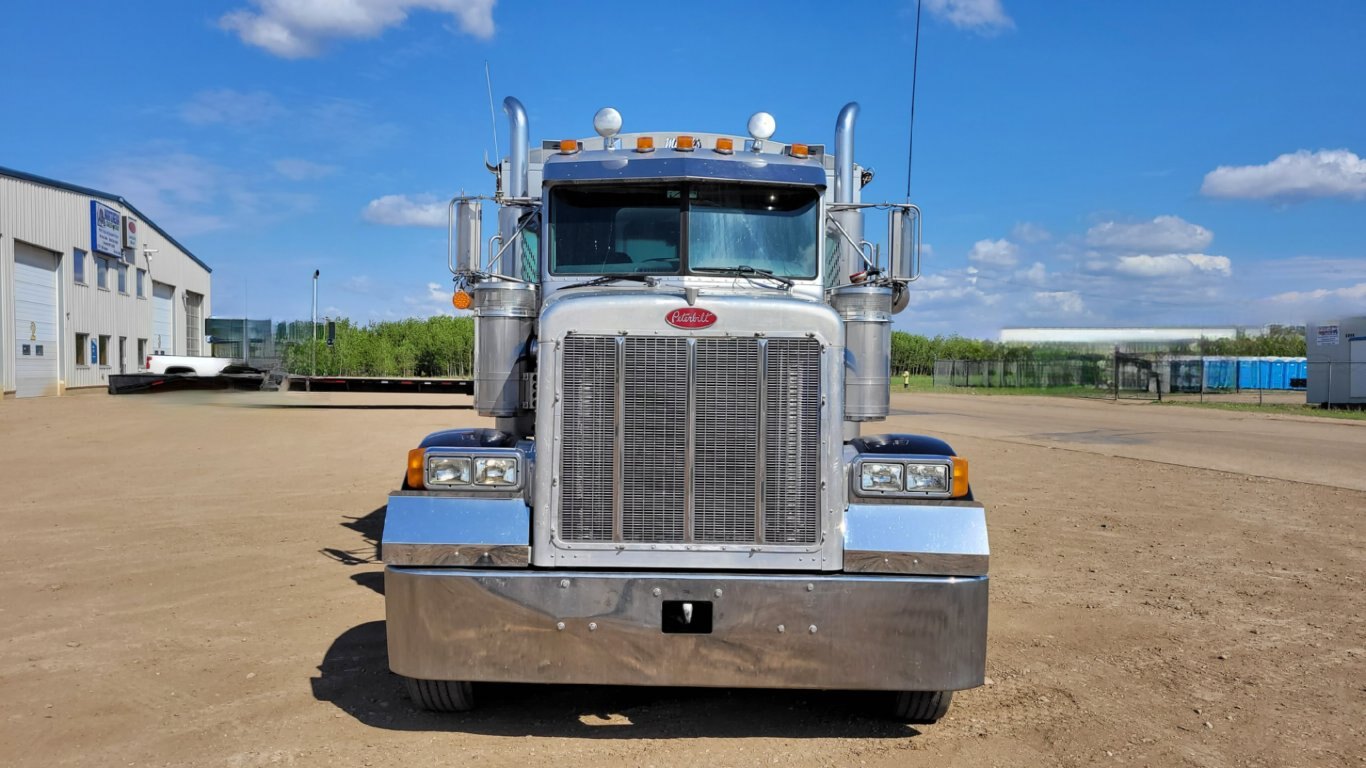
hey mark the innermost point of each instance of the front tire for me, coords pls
(922, 707)
(440, 695)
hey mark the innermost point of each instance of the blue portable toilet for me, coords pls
(1278, 378)
(1247, 373)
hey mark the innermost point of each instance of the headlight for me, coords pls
(879, 476)
(496, 471)
(448, 470)
(929, 478)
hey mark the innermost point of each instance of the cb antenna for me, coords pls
(915, 67)
(493, 121)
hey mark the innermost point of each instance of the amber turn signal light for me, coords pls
(461, 300)
(417, 458)
(960, 477)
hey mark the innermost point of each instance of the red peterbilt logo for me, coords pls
(690, 318)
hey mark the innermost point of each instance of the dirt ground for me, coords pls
(189, 580)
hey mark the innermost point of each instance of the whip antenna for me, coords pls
(915, 67)
(493, 120)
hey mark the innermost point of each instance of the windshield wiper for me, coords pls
(614, 277)
(745, 270)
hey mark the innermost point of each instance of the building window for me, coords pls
(82, 340)
(123, 278)
(102, 273)
(104, 351)
(142, 353)
(142, 283)
(194, 328)
(78, 265)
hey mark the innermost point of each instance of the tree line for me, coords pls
(444, 347)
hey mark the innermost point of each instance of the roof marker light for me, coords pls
(799, 151)
(725, 146)
(645, 144)
(568, 146)
(684, 144)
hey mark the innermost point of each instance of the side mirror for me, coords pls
(904, 237)
(466, 218)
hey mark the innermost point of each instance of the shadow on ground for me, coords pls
(354, 676)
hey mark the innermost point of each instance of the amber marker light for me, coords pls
(568, 146)
(645, 144)
(416, 471)
(960, 477)
(725, 146)
(799, 150)
(684, 144)
(461, 300)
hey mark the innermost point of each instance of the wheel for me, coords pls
(922, 707)
(440, 695)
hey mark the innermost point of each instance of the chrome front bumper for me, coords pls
(853, 632)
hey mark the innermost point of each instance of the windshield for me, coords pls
(660, 229)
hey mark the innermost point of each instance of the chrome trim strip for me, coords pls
(619, 416)
(771, 631)
(690, 458)
(761, 444)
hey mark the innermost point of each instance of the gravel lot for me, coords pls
(189, 580)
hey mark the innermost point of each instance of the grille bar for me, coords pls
(674, 439)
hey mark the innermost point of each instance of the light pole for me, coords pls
(313, 348)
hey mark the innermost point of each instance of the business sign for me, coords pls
(1328, 335)
(130, 233)
(106, 227)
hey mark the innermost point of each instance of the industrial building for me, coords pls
(89, 287)
(1337, 361)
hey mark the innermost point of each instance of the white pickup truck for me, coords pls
(188, 365)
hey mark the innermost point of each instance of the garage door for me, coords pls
(163, 319)
(36, 352)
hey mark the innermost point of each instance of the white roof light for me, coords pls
(762, 125)
(607, 122)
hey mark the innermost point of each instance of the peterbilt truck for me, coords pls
(683, 343)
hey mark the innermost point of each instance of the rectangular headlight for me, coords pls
(499, 471)
(881, 476)
(927, 478)
(448, 470)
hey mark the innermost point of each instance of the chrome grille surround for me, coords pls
(703, 441)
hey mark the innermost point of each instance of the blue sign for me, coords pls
(94, 353)
(106, 229)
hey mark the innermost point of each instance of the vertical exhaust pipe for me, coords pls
(520, 155)
(844, 153)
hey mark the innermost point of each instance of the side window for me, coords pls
(102, 272)
(104, 351)
(78, 265)
(142, 353)
(832, 259)
(142, 283)
(531, 251)
(123, 278)
(82, 347)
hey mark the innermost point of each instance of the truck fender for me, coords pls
(905, 444)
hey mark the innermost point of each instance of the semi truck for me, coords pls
(682, 341)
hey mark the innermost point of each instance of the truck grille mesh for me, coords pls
(719, 440)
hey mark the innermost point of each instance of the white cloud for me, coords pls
(225, 106)
(984, 17)
(1300, 175)
(1001, 253)
(1037, 274)
(404, 211)
(1029, 232)
(1352, 293)
(1174, 265)
(434, 300)
(1064, 302)
(295, 29)
(296, 169)
(1164, 233)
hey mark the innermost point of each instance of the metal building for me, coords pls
(89, 286)
(1337, 361)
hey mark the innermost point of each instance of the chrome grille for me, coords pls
(670, 439)
(588, 424)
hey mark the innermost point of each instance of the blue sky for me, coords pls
(1077, 163)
